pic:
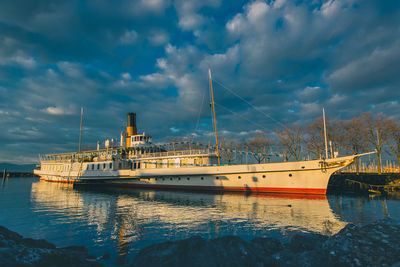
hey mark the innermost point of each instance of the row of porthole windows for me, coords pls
(240, 177)
(202, 178)
(217, 177)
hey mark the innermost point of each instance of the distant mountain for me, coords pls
(16, 167)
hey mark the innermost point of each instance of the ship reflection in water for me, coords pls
(126, 220)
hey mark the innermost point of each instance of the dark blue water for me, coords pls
(122, 221)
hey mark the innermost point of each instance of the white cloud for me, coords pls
(174, 130)
(27, 62)
(155, 80)
(330, 8)
(58, 111)
(310, 93)
(257, 11)
(236, 25)
(279, 3)
(191, 21)
(73, 70)
(158, 37)
(162, 63)
(128, 37)
(188, 12)
(337, 99)
(126, 76)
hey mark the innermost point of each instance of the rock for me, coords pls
(9, 235)
(36, 243)
(303, 242)
(18, 251)
(195, 251)
(365, 247)
(374, 244)
(267, 245)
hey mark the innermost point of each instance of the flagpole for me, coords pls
(80, 131)
(326, 142)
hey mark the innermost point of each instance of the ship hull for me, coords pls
(302, 177)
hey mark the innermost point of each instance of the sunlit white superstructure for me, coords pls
(139, 163)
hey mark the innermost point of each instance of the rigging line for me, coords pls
(237, 114)
(265, 114)
(198, 117)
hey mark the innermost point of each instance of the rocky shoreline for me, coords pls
(375, 244)
(16, 250)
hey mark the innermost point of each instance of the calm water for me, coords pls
(121, 222)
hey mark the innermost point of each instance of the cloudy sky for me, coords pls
(285, 59)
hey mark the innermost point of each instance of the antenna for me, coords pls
(326, 142)
(215, 121)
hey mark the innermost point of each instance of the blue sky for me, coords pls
(287, 58)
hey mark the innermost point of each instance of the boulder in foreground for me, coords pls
(375, 244)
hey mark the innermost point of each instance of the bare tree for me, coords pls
(239, 146)
(314, 138)
(259, 146)
(336, 135)
(378, 132)
(291, 140)
(180, 143)
(228, 149)
(355, 137)
(393, 140)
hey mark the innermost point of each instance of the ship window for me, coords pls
(134, 165)
(92, 166)
(104, 165)
(170, 179)
(98, 166)
(217, 177)
(202, 178)
(188, 178)
(111, 165)
(138, 165)
(163, 179)
(179, 178)
(263, 176)
(302, 167)
(239, 177)
(119, 165)
(290, 175)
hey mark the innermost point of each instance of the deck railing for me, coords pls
(131, 154)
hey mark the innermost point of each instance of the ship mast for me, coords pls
(80, 131)
(215, 121)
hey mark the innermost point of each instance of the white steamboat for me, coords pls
(139, 163)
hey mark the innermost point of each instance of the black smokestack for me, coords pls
(131, 123)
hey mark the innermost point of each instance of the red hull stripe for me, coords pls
(59, 181)
(314, 191)
(230, 189)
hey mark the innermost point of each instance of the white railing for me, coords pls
(192, 152)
